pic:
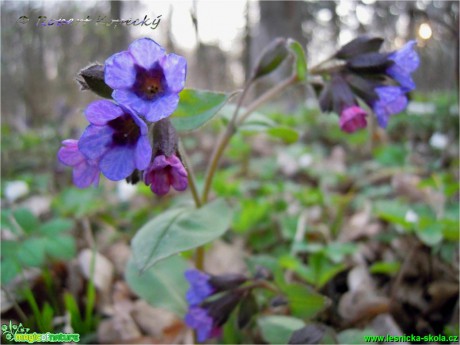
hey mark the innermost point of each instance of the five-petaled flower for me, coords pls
(117, 138)
(146, 79)
(85, 171)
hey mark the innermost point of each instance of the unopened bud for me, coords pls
(248, 308)
(272, 56)
(164, 138)
(92, 78)
(358, 46)
(227, 281)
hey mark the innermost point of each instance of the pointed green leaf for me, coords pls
(303, 301)
(179, 229)
(197, 107)
(161, 286)
(301, 61)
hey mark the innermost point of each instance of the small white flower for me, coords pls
(411, 217)
(305, 160)
(16, 189)
(438, 141)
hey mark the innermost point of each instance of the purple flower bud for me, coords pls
(164, 172)
(352, 118)
(392, 100)
(406, 61)
(200, 288)
(146, 79)
(85, 171)
(116, 138)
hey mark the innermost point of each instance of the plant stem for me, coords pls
(190, 174)
(199, 258)
(231, 129)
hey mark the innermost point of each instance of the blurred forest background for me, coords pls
(388, 198)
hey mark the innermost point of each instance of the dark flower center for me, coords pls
(149, 84)
(125, 130)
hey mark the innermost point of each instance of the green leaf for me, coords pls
(355, 336)
(288, 135)
(162, 286)
(303, 301)
(178, 230)
(31, 252)
(79, 202)
(383, 267)
(26, 220)
(56, 226)
(60, 247)
(277, 329)
(430, 231)
(197, 107)
(391, 155)
(301, 61)
(10, 268)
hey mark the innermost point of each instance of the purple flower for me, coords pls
(392, 100)
(200, 287)
(164, 172)
(198, 319)
(117, 138)
(85, 171)
(406, 61)
(146, 79)
(352, 118)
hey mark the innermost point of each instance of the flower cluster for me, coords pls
(381, 80)
(145, 84)
(207, 314)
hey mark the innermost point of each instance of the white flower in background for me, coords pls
(438, 141)
(125, 190)
(16, 189)
(305, 160)
(411, 217)
(421, 108)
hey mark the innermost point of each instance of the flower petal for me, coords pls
(406, 58)
(101, 112)
(175, 70)
(162, 107)
(160, 182)
(119, 72)
(179, 179)
(143, 153)
(392, 100)
(69, 154)
(95, 141)
(117, 163)
(146, 52)
(85, 174)
(130, 100)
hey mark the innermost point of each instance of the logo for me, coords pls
(20, 334)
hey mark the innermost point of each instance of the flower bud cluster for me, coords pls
(380, 80)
